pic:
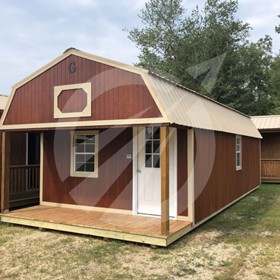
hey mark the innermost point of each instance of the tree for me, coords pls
(211, 33)
(159, 39)
(274, 80)
(254, 90)
(277, 28)
(208, 51)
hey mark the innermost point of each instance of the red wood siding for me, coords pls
(217, 183)
(116, 94)
(18, 148)
(182, 172)
(112, 188)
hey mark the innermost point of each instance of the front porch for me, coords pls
(116, 186)
(126, 227)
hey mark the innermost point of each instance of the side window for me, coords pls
(85, 154)
(152, 147)
(238, 149)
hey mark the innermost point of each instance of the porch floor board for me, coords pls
(103, 224)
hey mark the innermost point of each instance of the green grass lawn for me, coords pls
(243, 242)
(252, 225)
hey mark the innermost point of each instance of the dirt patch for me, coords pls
(30, 254)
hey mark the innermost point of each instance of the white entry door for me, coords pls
(149, 174)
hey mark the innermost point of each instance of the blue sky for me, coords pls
(33, 32)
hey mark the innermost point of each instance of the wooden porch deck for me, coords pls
(102, 224)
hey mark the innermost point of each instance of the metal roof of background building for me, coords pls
(271, 122)
(3, 101)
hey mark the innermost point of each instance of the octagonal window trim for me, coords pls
(86, 112)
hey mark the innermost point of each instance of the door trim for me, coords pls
(134, 170)
(173, 173)
(172, 177)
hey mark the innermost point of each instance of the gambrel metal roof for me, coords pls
(185, 107)
(178, 105)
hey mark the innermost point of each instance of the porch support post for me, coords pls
(5, 173)
(164, 166)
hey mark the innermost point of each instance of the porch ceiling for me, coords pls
(110, 225)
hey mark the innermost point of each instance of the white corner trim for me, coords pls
(190, 152)
(7, 107)
(260, 165)
(41, 166)
(183, 218)
(173, 182)
(59, 89)
(154, 95)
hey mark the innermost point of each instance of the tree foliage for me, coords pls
(274, 79)
(159, 39)
(209, 51)
(277, 28)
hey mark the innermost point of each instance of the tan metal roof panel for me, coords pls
(184, 107)
(267, 122)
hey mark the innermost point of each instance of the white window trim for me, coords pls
(86, 112)
(74, 173)
(238, 167)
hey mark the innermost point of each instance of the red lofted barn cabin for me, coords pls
(127, 154)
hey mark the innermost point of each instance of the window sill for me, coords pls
(84, 174)
(238, 168)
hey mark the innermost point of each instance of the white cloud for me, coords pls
(262, 17)
(72, 4)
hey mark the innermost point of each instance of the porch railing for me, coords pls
(270, 169)
(24, 179)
